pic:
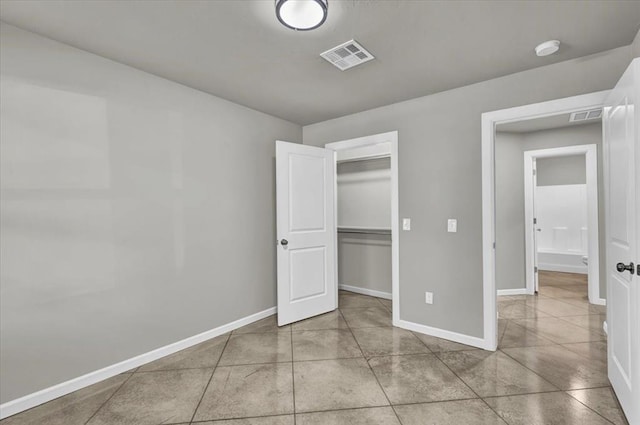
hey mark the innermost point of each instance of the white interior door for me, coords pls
(305, 186)
(622, 174)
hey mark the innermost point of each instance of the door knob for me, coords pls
(284, 242)
(621, 267)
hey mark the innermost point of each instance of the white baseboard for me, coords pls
(604, 328)
(365, 291)
(441, 333)
(516, 291)
(566, 268)
(31, 400)
(599, 301)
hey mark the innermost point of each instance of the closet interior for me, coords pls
(364, 220)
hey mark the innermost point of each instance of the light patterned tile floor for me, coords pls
(351, 366)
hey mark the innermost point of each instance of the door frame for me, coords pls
(590, 154)
(391, 138)
(489, 122)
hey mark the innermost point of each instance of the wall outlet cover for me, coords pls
(406, 224)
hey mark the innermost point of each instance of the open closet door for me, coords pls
(622, 190)
(305, 186)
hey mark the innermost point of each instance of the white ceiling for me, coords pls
(237, 50)
(545, 123)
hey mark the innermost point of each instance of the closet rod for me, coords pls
(364, 231)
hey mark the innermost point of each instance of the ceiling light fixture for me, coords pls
(547, 48)
(302, 15)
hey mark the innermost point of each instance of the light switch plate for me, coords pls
(406, 224)
(428, 297)
(452, 225)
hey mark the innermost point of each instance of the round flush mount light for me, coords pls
(302, 15)
(547, 48)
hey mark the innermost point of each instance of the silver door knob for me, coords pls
(284, 242)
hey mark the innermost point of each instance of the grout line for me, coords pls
(107, 400)
(588, 407)
(471, 389)
(373, 372)
(210, 379)
(529, 369)
(293, 383)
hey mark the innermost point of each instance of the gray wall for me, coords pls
(364, 193)
(364, 261)
(561, 170)
(510, 148)
(364, 200)
(635, 46)
(510, 259)
(440, 178)
(135, 212)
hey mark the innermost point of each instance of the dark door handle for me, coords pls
(284, 242)
(621, 267)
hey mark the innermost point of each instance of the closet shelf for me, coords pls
(365, 230)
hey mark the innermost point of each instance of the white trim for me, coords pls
(365, 291)
(441, 333)
(489, 122)
(604, 328)
(34, 399)
(391, 138)
(600, 301)
(515, 291)
(566, 268)
(590, 153)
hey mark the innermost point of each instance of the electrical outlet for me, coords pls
(452, 225)
(406, 224)
(428, 297)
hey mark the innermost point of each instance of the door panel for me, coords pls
(305, 185)
(621, 169)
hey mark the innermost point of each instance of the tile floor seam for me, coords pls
(536, 332)
(107, 400)
(471, 389)
(293, 381)
(373, 372)
(235, 418)
(529, 369)
(597, 413)
(513, 321)
(206, 387)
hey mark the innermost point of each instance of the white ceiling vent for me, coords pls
(586, 115)
(347, 55)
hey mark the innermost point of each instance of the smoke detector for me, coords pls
(347, 55)
(591, 114)
(547, 48)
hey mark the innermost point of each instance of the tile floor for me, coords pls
(351, 367)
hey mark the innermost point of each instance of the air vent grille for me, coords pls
(586, 115)
(347, 55)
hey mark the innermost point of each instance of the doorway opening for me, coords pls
(562, 232)
(493, 266)
(367, 216)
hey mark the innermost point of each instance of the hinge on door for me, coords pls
(535, 221)
(534, 171)
(535, 269)
(494, 245)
